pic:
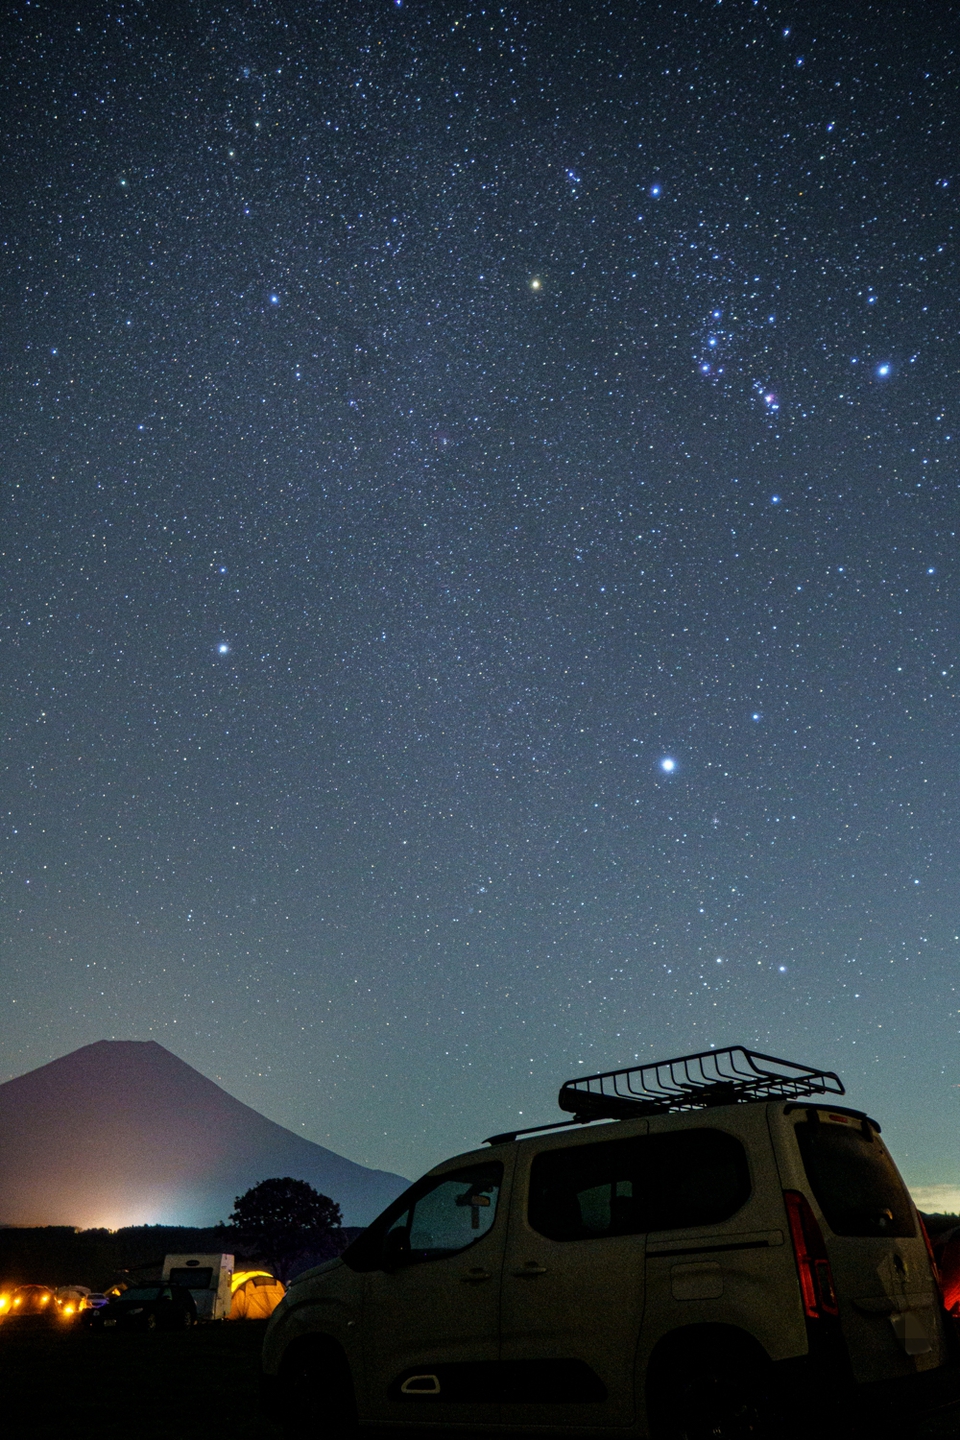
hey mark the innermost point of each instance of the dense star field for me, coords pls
(480, 492)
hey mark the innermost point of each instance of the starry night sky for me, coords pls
(480, 493)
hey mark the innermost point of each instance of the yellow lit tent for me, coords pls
(256, 1294)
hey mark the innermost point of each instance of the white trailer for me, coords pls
(208, 1278)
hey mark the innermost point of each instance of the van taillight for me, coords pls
(813, 1266)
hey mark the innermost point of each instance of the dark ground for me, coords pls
(178, 1386)
(197, 1385)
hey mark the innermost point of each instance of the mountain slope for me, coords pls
(122, 1132)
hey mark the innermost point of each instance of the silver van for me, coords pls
(734, 1256)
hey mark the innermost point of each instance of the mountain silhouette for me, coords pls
(122, 1132)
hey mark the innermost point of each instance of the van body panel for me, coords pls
(880, 1280)
(577, 1301)
(431, 1327)
(612, 1241)
(749, 1255)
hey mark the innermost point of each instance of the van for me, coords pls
(207, 1277)
(732, 1254)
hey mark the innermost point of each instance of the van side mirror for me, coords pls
(394, 1252)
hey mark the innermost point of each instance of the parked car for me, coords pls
(946, 1249)
(146, 1307)
(72, 1301)
(735, 1252)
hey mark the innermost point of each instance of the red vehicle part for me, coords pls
(813, 1266)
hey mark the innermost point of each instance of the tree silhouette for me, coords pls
(286, 1221)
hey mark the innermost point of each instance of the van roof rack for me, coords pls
(692, 1082)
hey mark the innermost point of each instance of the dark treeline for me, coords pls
(60, 1255)
(937, 1224)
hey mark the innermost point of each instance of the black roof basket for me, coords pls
(692, 1082)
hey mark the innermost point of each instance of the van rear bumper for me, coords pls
(813, 1397)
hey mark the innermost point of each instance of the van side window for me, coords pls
(855, 1181)
(438, 1216)
(628, 1187)
(452, 1214)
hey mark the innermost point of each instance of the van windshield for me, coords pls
(855, 1181)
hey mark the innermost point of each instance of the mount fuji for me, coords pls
(122, 1132)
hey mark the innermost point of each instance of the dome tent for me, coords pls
(255, 1295)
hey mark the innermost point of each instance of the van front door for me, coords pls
(573, 1283)
(430, 1312)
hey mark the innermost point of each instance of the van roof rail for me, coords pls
(692, 1082)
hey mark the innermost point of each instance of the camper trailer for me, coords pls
(207, 1277)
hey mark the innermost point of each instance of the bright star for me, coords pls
(655, 191)
(536, 284)
(223, 648)
(883, 371)
(668, 765)
(274, 299)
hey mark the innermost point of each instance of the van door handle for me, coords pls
(477, 1273)
(531, 1270)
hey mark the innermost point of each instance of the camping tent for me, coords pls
(256, 1294)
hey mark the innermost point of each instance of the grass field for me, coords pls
(201, 1384)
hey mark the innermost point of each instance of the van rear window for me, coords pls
(627, 1187)
(198, 1279)
(855, 1181)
